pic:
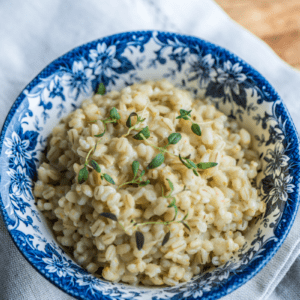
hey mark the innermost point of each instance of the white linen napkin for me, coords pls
(33, 33)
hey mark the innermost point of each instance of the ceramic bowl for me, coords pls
(205, 69)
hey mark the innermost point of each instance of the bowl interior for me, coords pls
(207, 71)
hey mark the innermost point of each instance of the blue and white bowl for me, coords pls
(117, 61)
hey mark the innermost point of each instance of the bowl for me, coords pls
(120, 60)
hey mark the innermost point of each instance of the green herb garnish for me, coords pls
(107, 178)
(206, 165)
(95, 166)
(186, 115)
(114, 116)
(135, 126)
(136, 179)
(201, 166)
(173, 202)
(101, 89)
(144, 133)
(156, 161)
(173, 139)
(84, 173)
(196, 129)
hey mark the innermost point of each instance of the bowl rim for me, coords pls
(262, 81)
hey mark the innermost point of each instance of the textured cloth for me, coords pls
(33, 33)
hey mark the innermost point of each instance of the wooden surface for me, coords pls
(277, 22)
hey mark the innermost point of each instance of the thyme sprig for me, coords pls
(84, 173)
(173, 139)
(139, 237)
(136, 179)
(144, 134)
(131, 127)
(173, 203)
(114, 116)
(101, 89)
(201, 166)
(186, 115)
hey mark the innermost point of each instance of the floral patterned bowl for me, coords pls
(119, 60)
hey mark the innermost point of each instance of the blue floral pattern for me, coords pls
(103, 60)
(59, 265)
(79, 79)
(120, 60)
(277, 160)
(17, 149)
(201, 69)
(231, 76)
(21, 184)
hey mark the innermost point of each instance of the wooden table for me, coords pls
(277, 22)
